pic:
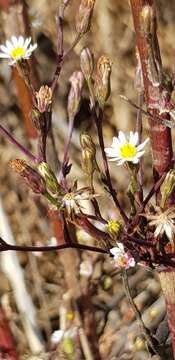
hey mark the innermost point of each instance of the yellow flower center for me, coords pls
(113, 226)
(122, 261)
(128, 151)
(17, 53)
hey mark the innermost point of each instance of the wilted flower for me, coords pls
(44, 98)
(17, 49)
(74, 97)
(86, 268)
(123, 150)
(33, 179)
(71, 201)
(164, 223)
(122, 259)
(84, 14)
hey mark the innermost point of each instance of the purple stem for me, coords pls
(6, 247)
(19, 146)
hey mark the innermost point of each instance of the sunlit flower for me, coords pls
(17, 49)
(123, 150)
(121, 258)
(164, 223)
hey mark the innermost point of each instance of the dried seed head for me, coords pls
(167, 187)
(30, 175)
(18, 165)
(74, 97)
(83, 18)
(102, 80)
(87, 63)
(44, 98)
(146, 20)
(50, 178)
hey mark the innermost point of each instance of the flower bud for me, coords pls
(44, 98)
(33, 179)
(88, 154)
(36, 119)
(102, 80)
(87, 63)
(74, 97)
(50, 178)
(83, 18)
(167, 187)
(146, 20)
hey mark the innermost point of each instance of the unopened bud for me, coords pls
(146, 20)
(50, 178)
(83, 18)
(44, 98)
(74, 97)
(107, 282)
(88, 154)
(102, 80)
(87, 63)
(68, 346)
(167, 187)
(86, 141)
(33, 179)
(36, 119)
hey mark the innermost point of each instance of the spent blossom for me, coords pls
(122, 259)
(125, 149)
(164, 223)
(17, 49)
(71, 201)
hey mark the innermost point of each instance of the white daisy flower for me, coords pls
(17, 49)
(123, 149)
(122, 259)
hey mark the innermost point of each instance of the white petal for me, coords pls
(140, 153)
(134, 160)
(14, 41)
(111, 152)
(21, 41)
(134, 137)
(4, 49)
(168, 231)
(9, 45)
(27, 42)
(121, 247)
(33, 47)
(142, 145)
(122, 138)
(131, 262)
(115, 142)
(115, 251)
(4, 56)
(158, 230)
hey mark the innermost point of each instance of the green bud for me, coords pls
(50, 178)
(167, 187)
(68, 346)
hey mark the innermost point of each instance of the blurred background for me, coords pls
(38, 293)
